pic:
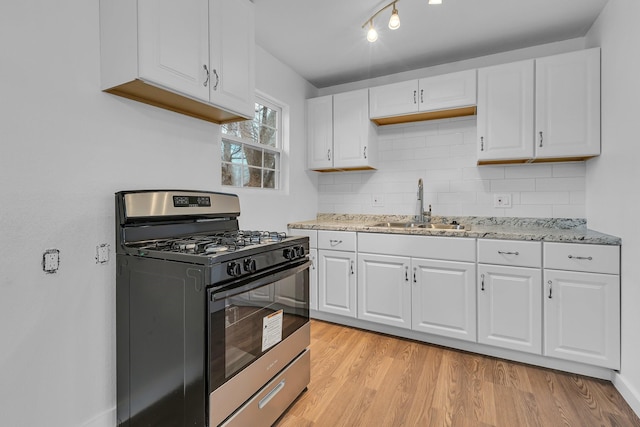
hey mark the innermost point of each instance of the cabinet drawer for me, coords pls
(580, 257)
(311, 234)
(510, 252)
(337, 240)
(432, 247)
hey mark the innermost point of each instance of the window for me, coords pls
(251, 150)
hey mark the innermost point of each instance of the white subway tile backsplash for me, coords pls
(443, 153)
(504, 185)
(545, 198)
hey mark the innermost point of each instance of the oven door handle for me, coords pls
(252, 283)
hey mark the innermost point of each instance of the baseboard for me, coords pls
(628, 392)
(104, 419)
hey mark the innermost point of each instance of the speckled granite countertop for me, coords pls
(567, 230)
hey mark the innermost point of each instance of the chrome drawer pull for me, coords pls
(334, 242)
(588, 258)
(482, 276)
(508, 253)
(271, 395)
(550, 289)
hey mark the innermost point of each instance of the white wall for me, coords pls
(612, 199)
(443, 154)
(65, 149)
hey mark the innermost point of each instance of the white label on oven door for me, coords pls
(271, 330)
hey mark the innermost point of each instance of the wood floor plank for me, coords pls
(361, 378)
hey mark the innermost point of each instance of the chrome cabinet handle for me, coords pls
(206, 70)
(414, 97)
(334, 242)
(482, 143)
(313, 263)
(541, 138)
(365, 152)
(406, 274)
(588, 258)
(329, 154)
(421, 96)
(352, 271)
(215, 87)
(415, 279)
(550, 289)
(482, 282)
(508, 253)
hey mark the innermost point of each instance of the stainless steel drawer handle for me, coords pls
(588, 258)
(508, 253)
(333, 242)
(265, 400)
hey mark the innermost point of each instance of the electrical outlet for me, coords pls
(102, 253)
(502, 200)
(377, 200)
(50, 260)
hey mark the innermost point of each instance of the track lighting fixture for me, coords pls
(394, 21)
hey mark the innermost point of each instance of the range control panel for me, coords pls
(191, 201)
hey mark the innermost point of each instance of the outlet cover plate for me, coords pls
(502, 200)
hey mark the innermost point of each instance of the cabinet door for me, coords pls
(232, 55)
(510, 307)
(337, 283)
(320, 132)
(582, 317)
(384, 290)
(568, 105)
(448, 91)
(351, 129)
(505, 112)
(444, 298)
(394, 99)
(173, 42)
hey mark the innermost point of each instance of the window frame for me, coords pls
(279, 151)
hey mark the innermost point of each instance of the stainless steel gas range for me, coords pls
(212, 322)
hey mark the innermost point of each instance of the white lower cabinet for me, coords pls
(444, 298)
(384, 289)
(510, 307)
(582, 308)
(337, 273)
(509, 285)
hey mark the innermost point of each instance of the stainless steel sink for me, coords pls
(400, 225)
(453, 227)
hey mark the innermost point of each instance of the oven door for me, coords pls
(256, 327)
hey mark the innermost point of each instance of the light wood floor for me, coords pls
(360, 378)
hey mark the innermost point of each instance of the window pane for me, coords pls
(254, 177)
(247, 131)
(269, 179)
(253, 156)
(231, 129)
(234, 175)
(268, 136)
(232, 152)
(270, 160)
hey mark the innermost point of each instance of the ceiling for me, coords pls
(325, 43)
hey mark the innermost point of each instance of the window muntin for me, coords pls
(251, 150)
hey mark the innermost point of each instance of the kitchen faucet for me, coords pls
(423, 217)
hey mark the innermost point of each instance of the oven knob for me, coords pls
(234, 269)
(300, 251)
(250, 265)
(288, 253)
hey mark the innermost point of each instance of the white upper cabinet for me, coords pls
(416, 100)
(174, 45)
(568, 105)
(340, 135)
(546, 109)
(232, 55)
(505, 112)
(195, 57)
